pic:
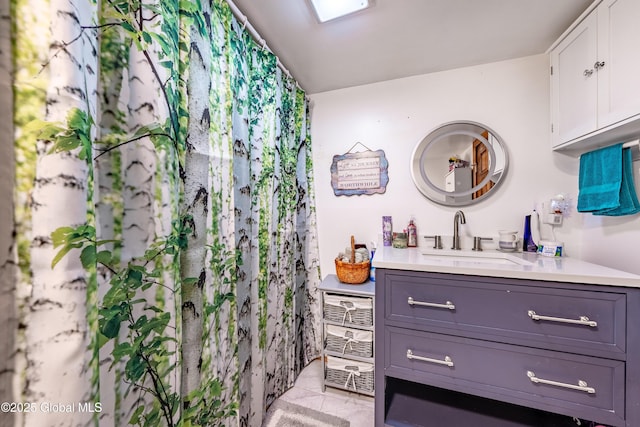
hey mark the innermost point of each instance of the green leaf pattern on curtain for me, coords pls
(114, 50)
(182, 86)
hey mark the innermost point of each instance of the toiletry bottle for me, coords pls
(412, 235)
(527, 242)
(387, 230)
(529, 245)
(372, 269)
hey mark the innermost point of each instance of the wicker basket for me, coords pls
(349, 341)
(348, 310)
(353, 273)
(349, 374)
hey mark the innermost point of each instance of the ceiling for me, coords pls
(401, 38)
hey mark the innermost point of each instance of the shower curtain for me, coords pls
(163, 267)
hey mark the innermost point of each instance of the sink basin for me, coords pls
(471, 257)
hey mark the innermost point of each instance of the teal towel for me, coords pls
(600, 179)
(629, 204)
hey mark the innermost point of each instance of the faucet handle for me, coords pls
(477, 242)
(437, 241)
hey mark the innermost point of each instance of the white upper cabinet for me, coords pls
(619, 49)
(595, 80)
(574, 86)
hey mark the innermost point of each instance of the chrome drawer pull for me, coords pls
(582, 385)
(447, 360)
(584, 320)
(448, 304)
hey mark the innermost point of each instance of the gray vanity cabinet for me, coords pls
(539, 352)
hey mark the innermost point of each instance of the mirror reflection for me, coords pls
(459, 163)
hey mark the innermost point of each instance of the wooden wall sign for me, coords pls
(365, 172)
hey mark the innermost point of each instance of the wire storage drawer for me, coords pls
(349, 341)
(349, 374)
(348, 310)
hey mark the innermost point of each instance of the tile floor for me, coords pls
(356, 408)
(307, 391)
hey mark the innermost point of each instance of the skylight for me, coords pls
(327, 10)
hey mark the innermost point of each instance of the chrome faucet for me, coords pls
(457, 218)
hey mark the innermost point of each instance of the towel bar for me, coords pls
(635, 154)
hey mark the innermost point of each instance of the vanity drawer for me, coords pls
(564, 319)
(521, 375)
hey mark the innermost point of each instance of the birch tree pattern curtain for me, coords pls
(162, 268)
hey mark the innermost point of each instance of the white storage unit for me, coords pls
(459, 179)
(595, 84)
(347, 335)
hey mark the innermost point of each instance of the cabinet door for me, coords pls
(574, 85)
(450, 182)
(619, 49)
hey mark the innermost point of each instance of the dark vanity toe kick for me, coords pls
(537, 378)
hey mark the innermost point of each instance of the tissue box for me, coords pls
(551, 249)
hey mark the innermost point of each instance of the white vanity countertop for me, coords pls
(492, 263)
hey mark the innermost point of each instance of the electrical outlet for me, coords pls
(553, 219)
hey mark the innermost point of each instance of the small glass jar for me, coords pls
(400, 240)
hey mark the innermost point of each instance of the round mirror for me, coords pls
(459, 163)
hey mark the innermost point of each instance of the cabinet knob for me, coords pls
(598, 65)
(587, 73)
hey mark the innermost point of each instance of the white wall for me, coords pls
(510, 97)
(613, 241)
